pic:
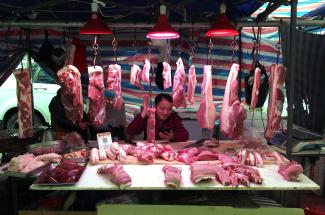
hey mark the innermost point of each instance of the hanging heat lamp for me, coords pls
(162, 30)
(222, 27)
(95, 24)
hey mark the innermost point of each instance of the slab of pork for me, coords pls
(206, 114)
(191, 85)
(114, 84)
(24, 96)
(256, 87)
(97, 103)
(116, 174)
(179, 99)
(173, 176)
(71, 95)
(167, 75)
(232, 114)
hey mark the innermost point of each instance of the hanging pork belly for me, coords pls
(256, 87)
(179, 99)
(114, 83)
(191, 85)
(276, 99)
(145, 74)
(232, 114)
(151, 125)
(71, 96)
(24, 96)
(135, 76)
(206, 114)
(96, 89)
(167, 75)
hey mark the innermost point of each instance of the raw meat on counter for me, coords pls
(28, 162)
(249, 157)
(135, 76)
(256, 87)
(207, 114)
(191, 85)
(24, 96)
(116, 174)
(151, 125)
(82, 153)
(73, 139)
(173, 176)
(290, 171)
(145, 74)
(114, 83)
(71, 96)
(65, 172)
(252, 173)
(112, 152)
(167, 75)
(201, 172)
(232, 113)
(276, 99)
(97, 103)
(179, 99)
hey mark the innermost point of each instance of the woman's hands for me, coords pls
(167, 135)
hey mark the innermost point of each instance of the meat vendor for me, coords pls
(168, 126)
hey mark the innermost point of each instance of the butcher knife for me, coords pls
(198, 143)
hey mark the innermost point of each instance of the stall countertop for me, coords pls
(151, 177)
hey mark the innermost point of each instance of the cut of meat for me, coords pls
(252, 173)
(207, 156)
(222, 176)
(97, 103)
(276, 99)
(71, 96)
(207, 114)
(191, 85)
(173, 176)
(167, 75)
(116, 174)
(73, 139)
(202, 172)
(145, 74)
(151, 123)
(256, 87)
(24, 97)
(179, 99)
(232, 114)
(135, 76)
(114, 83)
(18, 163)
(290, 171)
(226, 158)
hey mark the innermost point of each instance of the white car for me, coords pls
(44, 89)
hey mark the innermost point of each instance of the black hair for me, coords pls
(161, 96)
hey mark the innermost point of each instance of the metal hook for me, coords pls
(210, 48)
(149, 49)
(234, 47)
(95, 48)
(114, 44)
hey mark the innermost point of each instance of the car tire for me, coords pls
(12, 122)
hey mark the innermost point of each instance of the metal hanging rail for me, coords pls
(272, 23)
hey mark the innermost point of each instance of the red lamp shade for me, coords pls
(162, 30)
(95, 25)
(222, 28)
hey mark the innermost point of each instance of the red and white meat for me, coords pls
(249, 157)
(135, 76)
(256, 87)
(151, 124)
(276, 99)
(290, 171)
(173, 176)
(24, 96)
(167, 75)
(191, 85)
(113, 82)
(145, 74)
(116, 174)
(97, 103)
(71, 95)
(179, 99)
(201, 172)
(232, 114)
(206, 114)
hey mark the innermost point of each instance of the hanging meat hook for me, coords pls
(95, 48)
(114, 45)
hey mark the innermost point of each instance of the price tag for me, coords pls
(104, 140)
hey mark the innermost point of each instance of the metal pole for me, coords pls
(203, 25)
(240, 64)
(291, 73)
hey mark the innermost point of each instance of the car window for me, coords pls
(42, 76)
